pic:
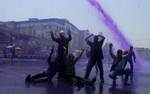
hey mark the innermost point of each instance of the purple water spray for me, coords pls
(110, 23)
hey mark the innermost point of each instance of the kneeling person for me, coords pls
(118, 66)
(70, 73)
(48, 74)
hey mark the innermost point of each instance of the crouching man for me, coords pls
(118, 66)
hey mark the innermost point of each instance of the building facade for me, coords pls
(34, 37)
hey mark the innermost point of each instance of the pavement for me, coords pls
(12, 79)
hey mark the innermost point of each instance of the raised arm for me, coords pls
(77, 58)
(87, 39)
(102, 40)
(111, 51)
(101, 37)
(53, 38)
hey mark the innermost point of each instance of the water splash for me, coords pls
(110, 23)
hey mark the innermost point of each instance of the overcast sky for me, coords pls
(132, 16)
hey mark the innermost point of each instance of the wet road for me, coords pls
(12, 80)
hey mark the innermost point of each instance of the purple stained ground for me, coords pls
(110, 23)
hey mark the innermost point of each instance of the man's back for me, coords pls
(120, 64)
(63, 42)
(96, 50)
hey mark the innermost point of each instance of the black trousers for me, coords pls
(62, 59)
(131, 64)
(39, 76)
(70, 77)
(48, 76)
(92, 62)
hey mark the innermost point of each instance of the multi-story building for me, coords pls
(34, 37)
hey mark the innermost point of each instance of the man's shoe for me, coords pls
(93, 80)
(28, 78)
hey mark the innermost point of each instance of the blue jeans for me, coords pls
(113, 75)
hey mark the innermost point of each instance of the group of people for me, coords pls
(63, 63)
